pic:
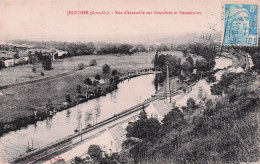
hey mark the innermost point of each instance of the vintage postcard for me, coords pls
(129, 81)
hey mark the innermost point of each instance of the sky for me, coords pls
(48, 19)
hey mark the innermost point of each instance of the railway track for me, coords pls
(42, 154)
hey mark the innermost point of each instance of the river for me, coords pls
(128, 94)
(222, 63)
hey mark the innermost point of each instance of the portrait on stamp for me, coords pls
(240, 26)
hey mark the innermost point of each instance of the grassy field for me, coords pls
(18, 101)
(23, 73)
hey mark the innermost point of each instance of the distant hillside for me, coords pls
(176, 38)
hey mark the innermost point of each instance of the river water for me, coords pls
(128, 94)
(222, 63)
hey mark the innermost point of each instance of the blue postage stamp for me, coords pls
(240, 25)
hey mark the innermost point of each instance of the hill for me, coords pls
(223, 131)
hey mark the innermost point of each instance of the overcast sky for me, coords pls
(48, 19)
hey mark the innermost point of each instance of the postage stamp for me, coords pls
(240, 25)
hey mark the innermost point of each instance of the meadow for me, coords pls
(20, 100)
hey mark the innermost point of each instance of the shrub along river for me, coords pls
(129, 93)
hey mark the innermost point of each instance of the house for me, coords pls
(9, 63)
(249, 62)
(202, 88)
(112, 139)
(198, 91)
(158, 109)
(182, 100)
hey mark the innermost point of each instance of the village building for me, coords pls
(112, 139)
(9, 63)
(199, 92)
(249, 62)
(158, 109)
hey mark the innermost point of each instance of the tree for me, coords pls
(187, 67)
(144, 128)
(191, 104)
(182, 78)
(211, 78)
(46, 62)
(16, 55)
(114, 72)
(173, 120)
(56, 56)
(68, 99)
(190, 60)
(49, 105)
(106, 68)
(88, 81)
(97, 77)
(225, 81)
(81, 66)
(2, 64)
(95, 83)
(79, 89)
(95, 152)
(185, 52)
(33, 69)
(143, 115)
(114, 80)
(78, 160)
(174, 64)
(90, 48)
(93, 62)
(202, 65)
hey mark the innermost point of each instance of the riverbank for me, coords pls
(40, 116)
(20, 101)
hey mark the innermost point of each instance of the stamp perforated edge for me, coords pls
(222, 19)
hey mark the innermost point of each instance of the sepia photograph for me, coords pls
(129, 82)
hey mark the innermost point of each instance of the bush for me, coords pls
(2, 64)
(95, 152)
(81, 66)
(34, 69)
(93, 62)
(88, 81)
(16, 55)
(97, 77)
(68, 98)
(106, 68)
(191, 104)
(46, 62)
(114, 72)
(56, 56)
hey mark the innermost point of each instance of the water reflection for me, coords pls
(88, 118)
(68, 113)
(65, 122)
(48, 122)
(156, 82)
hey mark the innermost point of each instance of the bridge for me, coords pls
(138, 72)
